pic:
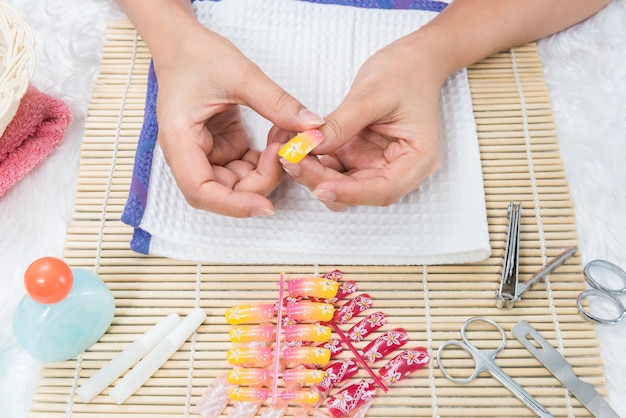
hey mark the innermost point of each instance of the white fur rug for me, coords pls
(585, 68)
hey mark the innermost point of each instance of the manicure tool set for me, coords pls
(511, 291)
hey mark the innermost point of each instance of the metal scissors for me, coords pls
(604, 292)
(484, 361)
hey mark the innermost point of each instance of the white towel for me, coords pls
(314, 52)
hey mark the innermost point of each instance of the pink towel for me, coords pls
(33, 133)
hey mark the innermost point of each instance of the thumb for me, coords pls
(348, 119)
(272, 102)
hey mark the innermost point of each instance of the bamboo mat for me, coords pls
(520, 159)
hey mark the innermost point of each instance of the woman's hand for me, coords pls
(202, 79)
(382, 141)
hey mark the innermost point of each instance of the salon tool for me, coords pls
(159, 355)
(129, 356)
(601, 291)
(510, 290)
(562, 370)
(484, 361)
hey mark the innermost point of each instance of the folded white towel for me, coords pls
(314, 51)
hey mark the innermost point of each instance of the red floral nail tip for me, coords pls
(345, 288)
(334, 345)
(385, 344)
(404, 364)
(337, 373)
(366, 326)
(335, 275)
(348, 399)
(355, 306)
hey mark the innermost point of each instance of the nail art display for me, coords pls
(292, 341)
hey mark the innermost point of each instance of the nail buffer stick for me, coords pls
(155, 358)
(127, 358)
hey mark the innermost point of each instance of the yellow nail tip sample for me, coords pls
(301, 145)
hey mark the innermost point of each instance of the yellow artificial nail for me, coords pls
(301, 145)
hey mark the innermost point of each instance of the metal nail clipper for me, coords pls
(510, 290)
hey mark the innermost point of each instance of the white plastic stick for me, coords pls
(131, 355)
(155, 358)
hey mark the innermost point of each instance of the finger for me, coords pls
(273, 103)
(354, 113)
(265, 178)
(378, 187)
(198, 183)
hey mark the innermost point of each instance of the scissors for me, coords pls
(604, 292)
(484, 361)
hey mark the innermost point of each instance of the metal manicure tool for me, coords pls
(510, 290)
(562, 370)
(484, 360)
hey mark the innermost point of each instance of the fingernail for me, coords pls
(307, 116)
(326, 195)
(291, 169)
(261, 212)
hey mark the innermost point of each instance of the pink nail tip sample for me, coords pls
(250, 314)
(366, 326)
(300, 396)
(249, 356)
(336, 373)
(305, 311)
(385, 344)
(302, 376)
(301, 145)
(247, 394)
(308, 332)
(313, 287)
(249, 376)
(404, 364)
(350, 398)
(306, 355)
(252, 333)
(354, 307)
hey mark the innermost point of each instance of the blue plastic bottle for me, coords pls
(64, 312)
